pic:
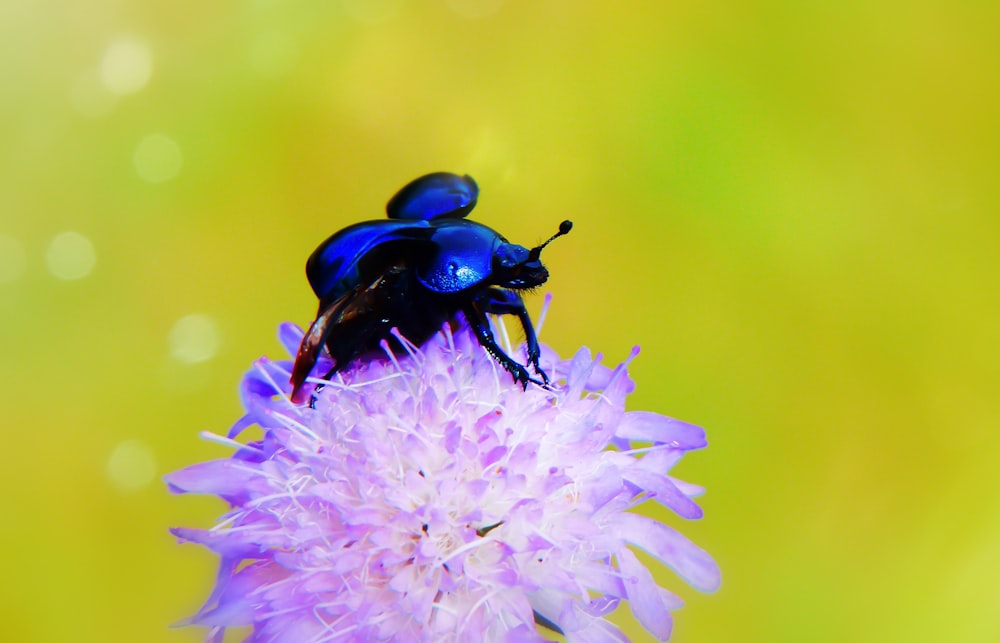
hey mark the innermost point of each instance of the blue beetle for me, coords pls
(415, 271)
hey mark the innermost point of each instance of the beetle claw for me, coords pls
(524, 378)
(315, 396)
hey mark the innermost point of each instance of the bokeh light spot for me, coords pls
(13, 259)
(157, 158)
(131, 466)
(70, 256)
(126, 66)
(194, 338)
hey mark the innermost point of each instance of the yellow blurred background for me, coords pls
(792, 207)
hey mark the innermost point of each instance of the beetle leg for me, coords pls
(480, 325)
(508, 302)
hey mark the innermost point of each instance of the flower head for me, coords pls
(427, 497)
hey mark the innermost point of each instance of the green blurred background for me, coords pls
(792, 208)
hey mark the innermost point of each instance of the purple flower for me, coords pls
(427, 497)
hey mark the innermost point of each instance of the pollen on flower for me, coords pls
(427, 497)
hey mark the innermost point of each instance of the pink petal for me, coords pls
(226, 478)
(290, 337)
(664, 491)
(598, 631)
(653, 427)
(644, 596)
(678, 553)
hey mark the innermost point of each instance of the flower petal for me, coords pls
(290, 337)
(230, 479)
(691, 562)
(663, 490)
(653, 427)
(644, 596)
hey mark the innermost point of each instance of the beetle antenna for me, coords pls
(564, 228)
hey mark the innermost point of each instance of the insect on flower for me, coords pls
(414, 272)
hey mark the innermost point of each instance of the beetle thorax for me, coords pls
(461, 258)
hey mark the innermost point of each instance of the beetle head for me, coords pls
(517, 267)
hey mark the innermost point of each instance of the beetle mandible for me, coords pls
(415, 271)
